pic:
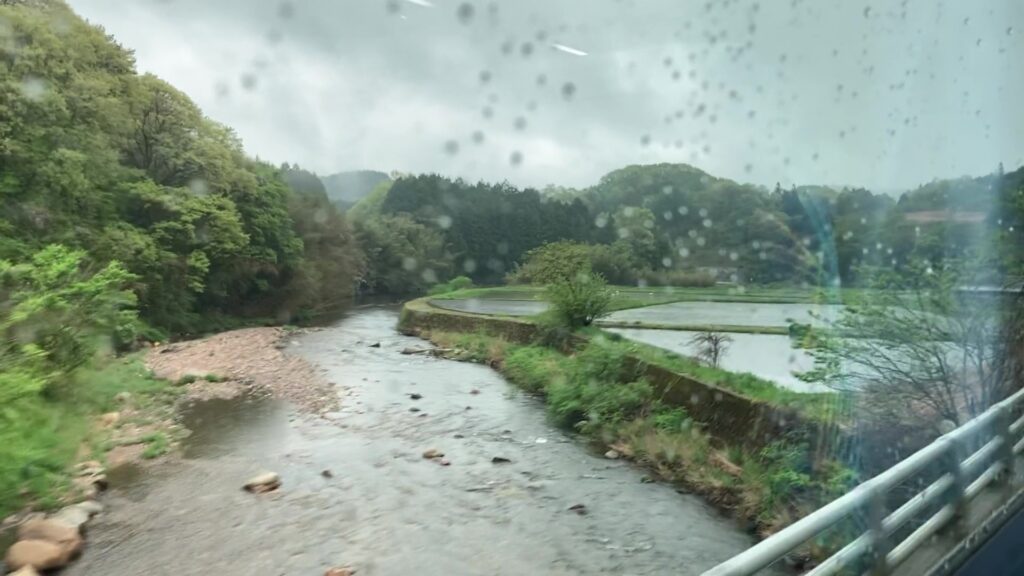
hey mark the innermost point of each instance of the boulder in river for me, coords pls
(612, 454)
(415, 395)
(432, 454)
(265, 482)
(64, 535)
(73, 516)
(38, 554)
(109, 419)
(375, 345)
(500, 460)
(91, 507)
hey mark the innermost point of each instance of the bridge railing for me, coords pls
(970, 458)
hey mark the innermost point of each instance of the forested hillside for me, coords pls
(661, 224)
(127, 168)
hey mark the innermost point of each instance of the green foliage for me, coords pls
(554, 262)
(157, 444)
(404, 257)
(534, 368)
(125, 167)
(41, 436)
(457, 283)
(54, 316)
(672, 419)
(579, 300)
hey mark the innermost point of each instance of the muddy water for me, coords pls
(386, 510)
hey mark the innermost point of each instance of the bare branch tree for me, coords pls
(711, 346)
(922, 348)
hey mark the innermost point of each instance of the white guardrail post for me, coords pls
(965, 472)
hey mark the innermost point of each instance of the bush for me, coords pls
(533, 367)
(560, 261)
(580, 300)
(554, 262)
(457, 283)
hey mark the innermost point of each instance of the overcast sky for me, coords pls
(886, 94)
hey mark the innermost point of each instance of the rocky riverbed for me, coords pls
(426, 466)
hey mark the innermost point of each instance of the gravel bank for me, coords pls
(250, 358)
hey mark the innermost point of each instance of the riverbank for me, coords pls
(587, 392)
(643, 404)
(125, 413)
(509, 481)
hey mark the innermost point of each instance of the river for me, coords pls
(386, 510)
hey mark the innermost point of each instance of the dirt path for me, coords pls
(247, 358)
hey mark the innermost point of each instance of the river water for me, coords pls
(386, 510)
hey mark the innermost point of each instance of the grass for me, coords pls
(42, 437)
(157, 444)
(590, 392)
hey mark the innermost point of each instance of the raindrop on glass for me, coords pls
(465, 12)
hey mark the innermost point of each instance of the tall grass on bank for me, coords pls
(42, 436)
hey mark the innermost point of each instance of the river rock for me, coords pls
(264, 482)
(89, 468)
(612, 454)
(91, 507)
(580, 509)
(54, 531)
(38, 554)
(433, 453)
(343, 571)
(109, 419)
(500, 460)
(72, 516)
(415, 396)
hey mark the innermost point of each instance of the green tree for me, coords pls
(579, 300)
(55, 314)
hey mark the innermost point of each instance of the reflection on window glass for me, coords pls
(418, 273)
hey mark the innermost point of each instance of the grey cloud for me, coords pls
(886, 95)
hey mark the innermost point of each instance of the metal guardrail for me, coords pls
(964, 474)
